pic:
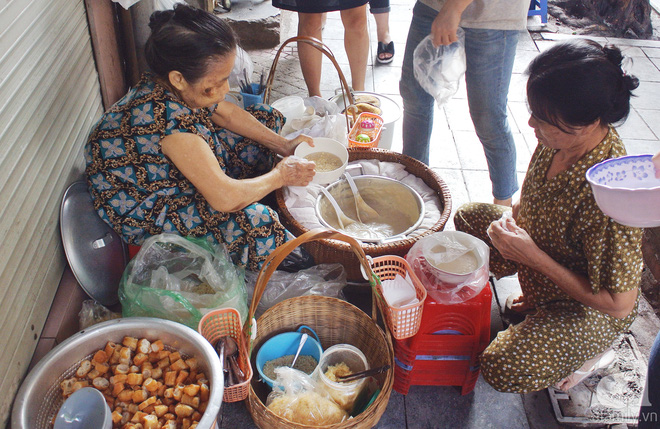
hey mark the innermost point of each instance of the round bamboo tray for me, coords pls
(332, 251)
(335, 322)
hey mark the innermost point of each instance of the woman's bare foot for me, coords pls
(602, 360)
(518, 304)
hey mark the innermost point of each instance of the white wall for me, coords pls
(49, 100)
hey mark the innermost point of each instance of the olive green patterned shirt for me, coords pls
(561, 216)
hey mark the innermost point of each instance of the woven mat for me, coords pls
(610, 395)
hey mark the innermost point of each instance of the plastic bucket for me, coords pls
(287, 344)
(391, 113)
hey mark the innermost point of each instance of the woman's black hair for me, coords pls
(186, 39)
(576, 83)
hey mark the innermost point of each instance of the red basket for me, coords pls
(226, 321)
(403, 322)
(378, 121)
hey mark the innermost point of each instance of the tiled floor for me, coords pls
(458, 158)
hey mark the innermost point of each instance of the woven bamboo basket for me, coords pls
(335, 322)
(316, 43)
(331, 251)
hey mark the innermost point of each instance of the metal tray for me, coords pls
(96, 254)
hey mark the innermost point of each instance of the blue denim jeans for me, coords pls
(649, 413)
(490, 55)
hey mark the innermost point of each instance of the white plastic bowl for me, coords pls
(324, 144)
(85, 409)
(627, 190)
(292, 106)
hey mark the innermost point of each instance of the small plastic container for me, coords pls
(343, 394)
(367, 124)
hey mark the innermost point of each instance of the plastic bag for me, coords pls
(439, 70)
(296, 398)
(452, 265)
(323, 279)
(321, 119)
(92, 313)
(180, 279)
(243, 66)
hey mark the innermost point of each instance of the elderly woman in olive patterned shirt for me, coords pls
(579, 270)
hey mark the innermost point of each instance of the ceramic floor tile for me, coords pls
(639, 147)
(457, 189)
(652, 119)
(478, 186)
(517, 88)
(647, 96)
(442, 150)
(635, 128)
(519, 117)
(651, 52)
(643, 69)
(523, 154)
(444, 407)
(458, 115)
(523, 58)
(470, 151)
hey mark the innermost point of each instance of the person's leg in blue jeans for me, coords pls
(417, 103)
(649, 413)
(490, 55)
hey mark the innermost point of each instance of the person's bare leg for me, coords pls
(310, 24)
(383, 27)
(356, 43)
(503, 202)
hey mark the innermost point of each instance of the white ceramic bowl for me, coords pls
(627, 190)
(85, 409)
(324, 144)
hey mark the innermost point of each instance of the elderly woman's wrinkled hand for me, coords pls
(296, 171)
(290, 145)
(513, 242)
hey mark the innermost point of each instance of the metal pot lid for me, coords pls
(96, 254)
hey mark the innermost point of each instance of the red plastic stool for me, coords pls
(445, 351)
(133, 250)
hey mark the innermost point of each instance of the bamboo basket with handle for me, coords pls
(335, 322)
(316, 43)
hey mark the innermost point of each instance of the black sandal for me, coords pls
(383, 51)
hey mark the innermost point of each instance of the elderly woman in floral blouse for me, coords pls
(173, 157)
(578, 269)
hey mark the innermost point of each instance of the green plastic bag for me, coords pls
(180, 279)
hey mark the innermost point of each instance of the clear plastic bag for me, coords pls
(297, 398)
(321, 119)
(439, 69)
(180, 279)
(92, 313)
(452, 265)
(322, 279)
(243, 66)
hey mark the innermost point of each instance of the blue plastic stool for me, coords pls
(542, 10)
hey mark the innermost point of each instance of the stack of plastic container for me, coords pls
(445, 351)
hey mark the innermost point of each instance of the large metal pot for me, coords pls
(39, 397)
(386, 195)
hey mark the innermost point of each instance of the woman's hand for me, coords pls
(513, 242)
(656, 164)
(445, 24)
(290, 145)
(296, 171)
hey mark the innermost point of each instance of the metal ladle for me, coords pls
(343, 220)
(368, 213)
(303, 340)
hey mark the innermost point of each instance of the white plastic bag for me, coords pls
(439, 70)
(321, 119)
(452, 265)
(243, 66)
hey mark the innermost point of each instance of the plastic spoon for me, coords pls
(303, 340)
(344, 220)
(368, 213)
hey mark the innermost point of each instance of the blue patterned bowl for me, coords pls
(627, 190)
